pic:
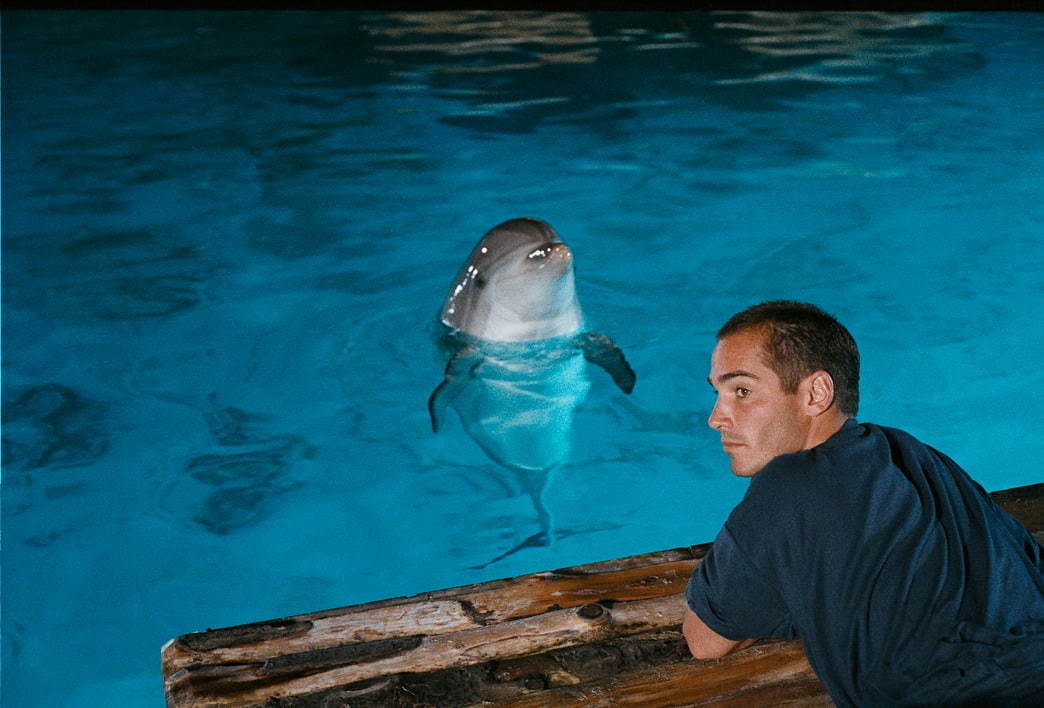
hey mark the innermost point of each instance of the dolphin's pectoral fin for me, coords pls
(459, 369)
(600, 350)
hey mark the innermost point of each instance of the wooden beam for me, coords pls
(446, 611)
(599, 634)
(769, 672)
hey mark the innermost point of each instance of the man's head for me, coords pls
(787, 377)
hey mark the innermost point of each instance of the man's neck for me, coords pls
(823, 427)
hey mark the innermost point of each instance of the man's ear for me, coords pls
(819, 387)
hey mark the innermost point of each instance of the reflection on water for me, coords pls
(519, 70)
(493, 41)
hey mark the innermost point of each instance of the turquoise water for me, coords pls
(226, 238)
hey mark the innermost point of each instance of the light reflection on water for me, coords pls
(226, 237)
(525, 53)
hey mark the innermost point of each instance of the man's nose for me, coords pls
(718, 417)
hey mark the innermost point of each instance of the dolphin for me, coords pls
(513, 334)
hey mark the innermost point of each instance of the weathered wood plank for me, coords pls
(504, 679)
(295, 673)
(600, 634)
(1027, 505)
(453, 610)
(767, 670)
(651, 669)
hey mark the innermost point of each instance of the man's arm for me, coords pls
(704, 642)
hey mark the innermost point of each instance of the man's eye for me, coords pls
(742, 392)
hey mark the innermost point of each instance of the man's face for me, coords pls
(756, 418)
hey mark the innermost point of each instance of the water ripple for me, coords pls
(235, 485)
(106, 274)
(51, 425)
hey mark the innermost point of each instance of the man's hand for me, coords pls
(705, 643)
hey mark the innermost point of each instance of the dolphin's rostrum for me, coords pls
(513, 334)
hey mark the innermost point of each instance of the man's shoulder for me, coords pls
(807, 475)
(824, 488)
(854, 442)
(783, 487)
(799, 469)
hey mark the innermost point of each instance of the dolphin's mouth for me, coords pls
(550, 251)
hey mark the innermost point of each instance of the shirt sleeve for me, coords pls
(733, 598)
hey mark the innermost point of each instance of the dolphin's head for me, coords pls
(517, 285)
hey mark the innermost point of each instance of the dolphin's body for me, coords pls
(514, 335)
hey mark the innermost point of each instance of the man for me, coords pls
(906, 583)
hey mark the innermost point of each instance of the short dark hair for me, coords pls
(801, 339)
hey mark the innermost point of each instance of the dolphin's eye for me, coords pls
(480, 282)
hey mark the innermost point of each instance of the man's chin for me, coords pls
(745, 470)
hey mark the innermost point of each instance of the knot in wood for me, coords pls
(534, 683)
(593, 611)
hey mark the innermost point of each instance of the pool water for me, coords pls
(226, 238)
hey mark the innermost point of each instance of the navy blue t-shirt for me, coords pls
(906, 583)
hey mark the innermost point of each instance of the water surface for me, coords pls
(226, 237)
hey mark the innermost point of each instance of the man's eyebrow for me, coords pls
(732, 375)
